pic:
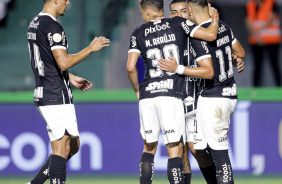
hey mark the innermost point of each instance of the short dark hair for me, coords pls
(156, 4)
(175, 1)
(202, 3)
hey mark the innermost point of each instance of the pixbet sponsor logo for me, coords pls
(157, 28)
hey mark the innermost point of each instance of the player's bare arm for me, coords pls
(132, 71)
(205, 70)
(80, 83)
(66, 61)
(238, 54)
(238, 50)
(209, 34)
(239, 63)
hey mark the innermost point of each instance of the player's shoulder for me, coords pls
(224, 28)
(138, 30)
(181, 20)
(221, 23)
(47, 21)
(177, 19)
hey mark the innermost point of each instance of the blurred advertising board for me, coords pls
(111, 142)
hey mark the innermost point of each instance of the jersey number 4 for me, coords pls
(37, 59)
(220, 56)
(156, 54)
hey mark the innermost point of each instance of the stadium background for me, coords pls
(108, 114)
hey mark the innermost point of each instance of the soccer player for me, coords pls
(160, 92)
(50, 62)
(218, 97)
(204, 159)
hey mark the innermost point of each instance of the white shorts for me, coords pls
(59, 118)
(213, 120)
(190, 123)
(165, 113)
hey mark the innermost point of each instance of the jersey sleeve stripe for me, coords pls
(58, 47)
(234, 41)
(134, 50)
(203, 57)
(193, 31)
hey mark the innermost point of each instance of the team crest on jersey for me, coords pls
(57, 37)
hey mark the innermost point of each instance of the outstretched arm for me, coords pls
(132, 71)
(80, 83)
(66, 61)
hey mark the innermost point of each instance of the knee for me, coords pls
(150, 147)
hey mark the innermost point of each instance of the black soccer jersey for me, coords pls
(223, 84)
(161, 39)
(191, 83)
(52, 85)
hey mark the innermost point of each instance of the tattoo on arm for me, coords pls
(58, 57)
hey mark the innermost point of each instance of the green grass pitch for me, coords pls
(134, 180)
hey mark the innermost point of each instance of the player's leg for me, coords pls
(58, 160)
(172, 120)
(206, 164)
(215, 125)
(43, 174)
(186, 165)
(273, 52)
(203, 158)
(146, 165)
(150, 130)
(223, 166)
(74, 146)
(175, 163)
(258, 59)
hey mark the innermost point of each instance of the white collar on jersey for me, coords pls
(157, 20)
(47, 14)
(206, 21)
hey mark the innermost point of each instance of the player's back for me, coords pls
(223, 84)
(52, 85)
(155, 40)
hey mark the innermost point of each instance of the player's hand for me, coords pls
(80, 83)
(168, 65)
(137, 95)
(239, 63)
(213, 13)
(99, 43)
(211, 9)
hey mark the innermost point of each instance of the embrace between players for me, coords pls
(179, 65)
(189, 60)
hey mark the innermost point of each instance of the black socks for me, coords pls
(187, 178)
(175, 170)
(57, 169)
(224, 173)
(209, 174)
(43, 174)
(146, 168)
